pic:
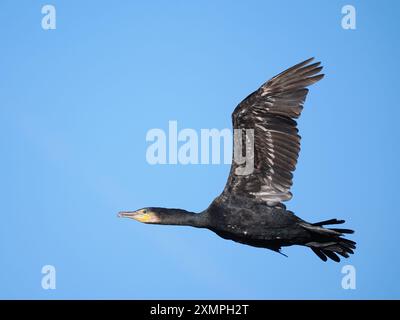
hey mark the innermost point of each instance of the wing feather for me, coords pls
(271, 112)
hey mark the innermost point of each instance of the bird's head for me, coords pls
(145, 215)
(167, 216)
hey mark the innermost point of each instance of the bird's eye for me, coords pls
(144, 211)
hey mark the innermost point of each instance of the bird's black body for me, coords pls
(255, 223)
(260, 225)
(250, 209)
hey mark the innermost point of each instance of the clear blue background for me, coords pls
(76, 104)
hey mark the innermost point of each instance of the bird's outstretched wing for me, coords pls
(270, 112)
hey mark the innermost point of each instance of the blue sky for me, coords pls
(76, 104)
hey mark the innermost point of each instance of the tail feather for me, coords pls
(340, 230)
(319, 254)
(348, 243)
(328, 242)
(327, 222)
(332, 255)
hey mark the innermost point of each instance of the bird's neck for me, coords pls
(181, 217)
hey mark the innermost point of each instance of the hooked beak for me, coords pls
(139, 215)
(126, 214)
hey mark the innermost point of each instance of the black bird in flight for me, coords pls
(250, 209)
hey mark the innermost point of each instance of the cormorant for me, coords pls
(250, 209)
